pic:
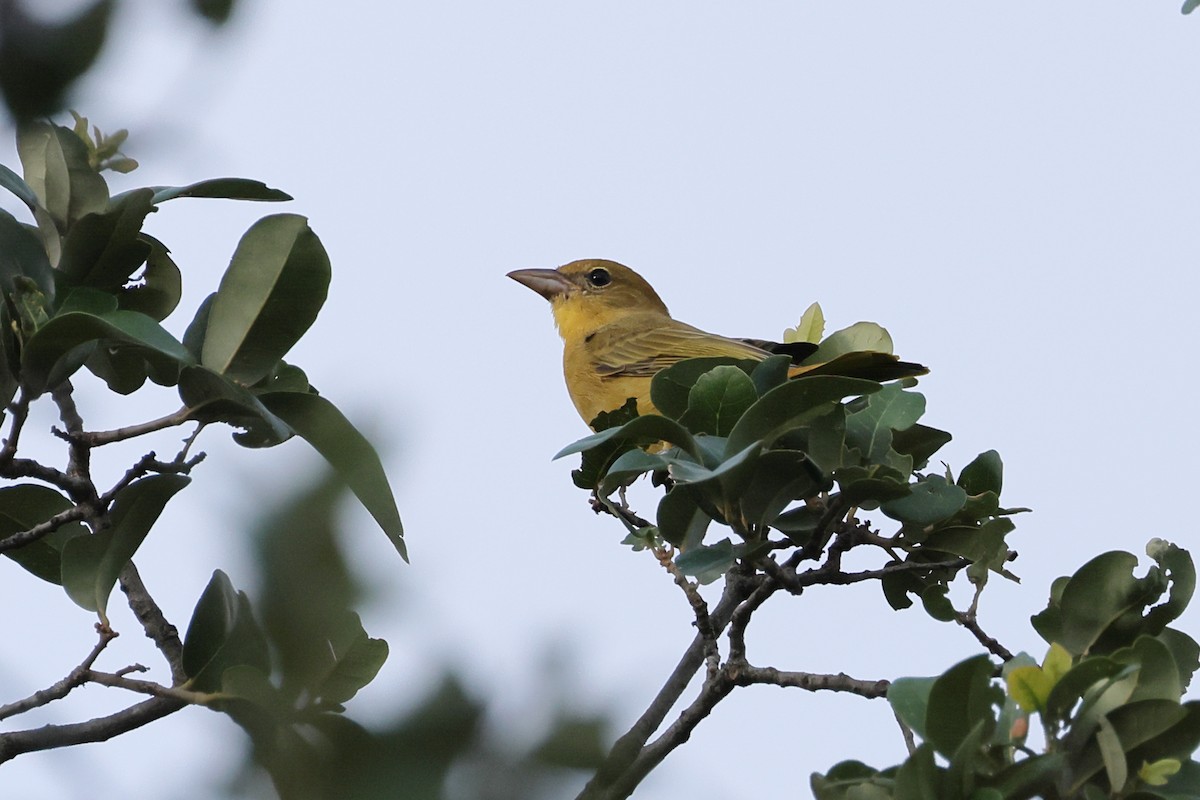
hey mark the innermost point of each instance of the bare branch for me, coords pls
(18, 411)
(22, 538)
(164, 635)
(100, 438)
(118, 680)
(747, 675)
(994, 647)
(60, 689)
(101, 729)
(712, 655)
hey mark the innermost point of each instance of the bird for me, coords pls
(617, 334)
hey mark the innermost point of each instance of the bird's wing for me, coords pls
(643, 350)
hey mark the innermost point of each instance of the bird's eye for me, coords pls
(599, 277)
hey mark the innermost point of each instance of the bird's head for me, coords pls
(588, 294)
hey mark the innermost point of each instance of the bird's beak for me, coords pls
(549, 283)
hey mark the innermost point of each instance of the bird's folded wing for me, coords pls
(642, 353)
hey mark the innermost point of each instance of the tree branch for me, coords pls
(59, 690)
(100, 438)
(101, 729)
(164, 635)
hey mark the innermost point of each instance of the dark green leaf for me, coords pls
(124, 370)
(222, 634)
(15, 184)
(1072, 686)
(796, 403)
(671, 387)
(224, 188)
(680, 519)
(105, 248)
(91, 564)
(1132, 726)
(984, 474)
(214, 398)
(937, 604)
(770, 373)
(23, 507)
(962, 698)
(1189, 6)
(909, 698)
(65, 332)
(1030, 777)
(826, 444)
(320, 423)
(874, 484)
(1100, 593)
(717, 401)
(269, 296)
(1184, 650)
(706, 564)
(920, 442)
(1158, 678)
(778, 478)
(357, 660)
(639, 431)
(929, 501)
(193, 337)
(630, 465)
(574, 743)
(1177, 564)
(158, 289)
(869, 424)
(22, 255)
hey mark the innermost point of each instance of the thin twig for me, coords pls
(47, 737)
(747, 675)
(60, 689)
(100, 438)
(22, 538)
(712, 655)
(119, 681)
(909, 741)
(994, 647)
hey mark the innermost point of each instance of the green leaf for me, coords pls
(105, 248)
(320, 423)
(909, 698)
(961, 699)
(1071, 687)
(630, 465)
(22, 255)
(1030, 687)
(15, 184)
(859, 337)
(870, 423)
(1184, 650)
(210, 397)
(918, 777)
(717, 401)
(1177, 564)
(160, 286)
(809, 329)
(25, 506)
(357, 660)
(269, 296)
(91, 564)
(937, 604)
(1030, 777)
(1158, 678)
(769, 373)
(222, 634)
(670, 388)
(193, 337)
(1124, 730)
(223, 188)
(929, 501)
(680, 519)
(920, 442)
(56, 167)
(1189, 6)
(706, 564)
(65, 332)
(984, 474)
(640, 431)
(1100, 593)
(788, 407)
(778, 478)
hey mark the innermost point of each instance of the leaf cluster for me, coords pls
(1108, 696)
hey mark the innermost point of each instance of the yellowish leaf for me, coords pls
(810, 329)
(1029, 687)
(1156, 773)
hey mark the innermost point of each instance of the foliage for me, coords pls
(1107, 694)
(762, 474)
(86, 290)
(40, 59)
(292, 709)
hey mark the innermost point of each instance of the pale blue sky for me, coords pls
(1013, 190)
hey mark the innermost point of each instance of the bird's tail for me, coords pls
(863, 364)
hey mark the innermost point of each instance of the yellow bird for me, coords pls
(617, 333)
